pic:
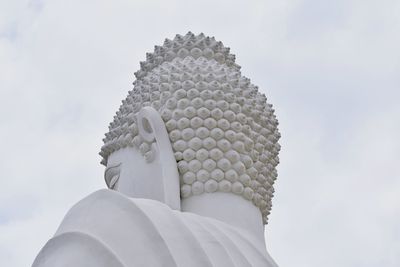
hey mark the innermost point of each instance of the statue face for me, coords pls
(128, 172)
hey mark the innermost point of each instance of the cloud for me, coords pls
(330, 69)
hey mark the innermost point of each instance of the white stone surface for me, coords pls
(190, 165)
(205, 103)
(153, 177)
(218, 205)
(110, 229)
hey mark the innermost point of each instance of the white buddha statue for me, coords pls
(190, 164)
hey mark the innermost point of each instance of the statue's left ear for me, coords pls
(152, 129)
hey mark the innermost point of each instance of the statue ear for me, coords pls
(152, 129)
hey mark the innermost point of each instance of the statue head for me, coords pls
(222, 131)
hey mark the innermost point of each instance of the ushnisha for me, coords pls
(223, 132)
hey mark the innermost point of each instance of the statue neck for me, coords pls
(229, 208)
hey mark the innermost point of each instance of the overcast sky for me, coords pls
(330, 68)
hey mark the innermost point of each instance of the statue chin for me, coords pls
(190, 165)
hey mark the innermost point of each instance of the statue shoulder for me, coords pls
(109, 229)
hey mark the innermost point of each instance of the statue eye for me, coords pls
(111, 175)
(113, 182)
